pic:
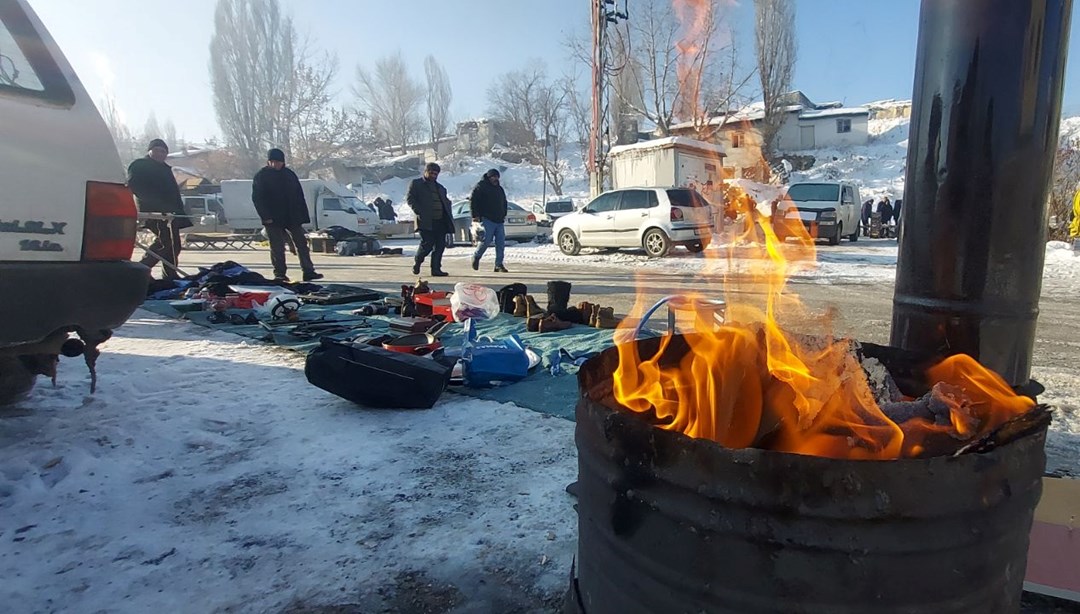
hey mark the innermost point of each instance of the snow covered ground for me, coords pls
(206, 474)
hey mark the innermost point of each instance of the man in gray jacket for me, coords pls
(433, 218)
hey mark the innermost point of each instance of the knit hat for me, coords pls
(491, 173)
(157, 143)
(275, 155)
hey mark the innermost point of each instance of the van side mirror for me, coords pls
(587, 210)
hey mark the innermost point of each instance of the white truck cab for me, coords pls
(67, 221)
(828, 209)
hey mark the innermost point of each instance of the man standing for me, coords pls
(279, 200)
(434, 219)
(156, 191)
(488, 206)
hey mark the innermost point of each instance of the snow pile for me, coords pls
(207, 475)
(877, 168)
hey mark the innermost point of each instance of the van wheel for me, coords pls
(15, 380)
(835, 238)
(656, 243)
(697, 246)
(853, 237)
(568, 243)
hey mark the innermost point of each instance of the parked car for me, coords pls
(520, 224)
(68, 223)
(828, 209)
(651, 218)
(547, 213)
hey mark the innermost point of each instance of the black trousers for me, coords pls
(277, 236)
(165, 248)
(431, 242)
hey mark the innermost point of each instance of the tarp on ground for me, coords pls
(541, 390)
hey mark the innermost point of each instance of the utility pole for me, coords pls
(601, 16)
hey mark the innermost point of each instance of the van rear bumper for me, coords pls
(38, 299)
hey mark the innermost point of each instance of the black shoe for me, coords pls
(416, 268)
(281, 278)
(476, 264)
(500, 269)
(312, 276)
(440, 274)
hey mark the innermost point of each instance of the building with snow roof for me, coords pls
(809, 126)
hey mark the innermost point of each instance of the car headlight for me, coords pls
(828, 216)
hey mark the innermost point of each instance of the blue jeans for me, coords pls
(492, 230)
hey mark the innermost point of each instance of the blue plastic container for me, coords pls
(489, 362)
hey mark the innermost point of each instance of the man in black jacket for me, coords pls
(279, 200)
(156, 191)
(488, 207)
(434, 219)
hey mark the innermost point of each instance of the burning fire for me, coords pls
(750, 383)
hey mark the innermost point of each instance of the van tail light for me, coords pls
(530, 218)
(676, 214)
(111, 219)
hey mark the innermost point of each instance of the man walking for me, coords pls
(434, 220)
(279, 200)
(488, 207)
(156, 191)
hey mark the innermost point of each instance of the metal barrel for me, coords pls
(673, 524)
(984, 130)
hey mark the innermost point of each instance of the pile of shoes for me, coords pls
(559, 315)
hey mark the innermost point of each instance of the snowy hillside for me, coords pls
(878, 167)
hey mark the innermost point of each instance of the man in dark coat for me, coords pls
(386, 209)
(155, 189)
(434, 218)
(279, 200)
(488, 206)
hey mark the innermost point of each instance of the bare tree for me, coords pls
(126, 145)
(774, 29)
(252, 56)
(151, 129)
(535, 108)
(168, 131)
(1064, 184)
(676, 66)
(392, 98)
(438, 98)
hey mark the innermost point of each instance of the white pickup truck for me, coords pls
(329, 204)
(829, 210)
(67, 221)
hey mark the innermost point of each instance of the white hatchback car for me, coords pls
(67, 221)
(654, 219)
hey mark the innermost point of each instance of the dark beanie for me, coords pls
(491, 173)
(157, 143)
(275, 155)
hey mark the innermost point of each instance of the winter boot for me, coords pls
(552, 323)
(558, 293)
(605, 318)
(532, 309)
(533, 324)
(521, 309)
(591, 316)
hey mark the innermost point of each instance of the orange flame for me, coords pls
(750, 383)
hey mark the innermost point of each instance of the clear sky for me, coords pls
(152, 55)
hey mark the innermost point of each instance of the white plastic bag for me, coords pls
(473, 301)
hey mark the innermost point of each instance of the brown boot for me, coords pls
(532, 309)
(594, 311)
(605, 318)
(533, 324)
(521, 308)
(585, 307)
(551, 323)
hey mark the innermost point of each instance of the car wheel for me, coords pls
(697, 247)
(568, 243)
(835, 238)
(656, 243)
(15, 380)
(853, 237)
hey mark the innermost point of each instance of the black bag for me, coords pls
(375, 377)
(507, 293)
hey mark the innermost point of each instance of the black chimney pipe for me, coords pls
(984, 130)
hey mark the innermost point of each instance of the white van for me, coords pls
(67, 222)
(828, 209)
(329, 204)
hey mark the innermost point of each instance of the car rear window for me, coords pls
(559, 206)
(26, 66)
(686, 198)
